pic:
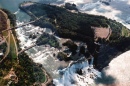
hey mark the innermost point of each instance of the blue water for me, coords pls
(13, 6)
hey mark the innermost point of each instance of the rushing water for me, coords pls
(40, 54)
(44, 55)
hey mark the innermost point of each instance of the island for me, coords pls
(83, 35)
(102, 38)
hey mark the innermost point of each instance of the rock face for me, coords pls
(117, 73)
(78, 26)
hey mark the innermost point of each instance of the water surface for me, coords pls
(13, 6)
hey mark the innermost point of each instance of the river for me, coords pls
(44, 56)
(39, 54)
(13, 6)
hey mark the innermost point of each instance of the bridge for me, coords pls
(26, 48)
(36, 19)
(23, 24)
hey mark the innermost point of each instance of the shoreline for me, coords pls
(19, 30)
(14, 43)
(118, 51)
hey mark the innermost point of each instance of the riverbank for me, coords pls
(72, 25)
(78, 26)
(42, 54)
(17, 63)
(10, 41)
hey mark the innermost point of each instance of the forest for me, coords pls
(45, 38)
(77, 26)
(25, 69)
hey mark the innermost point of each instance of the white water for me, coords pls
(40, 54)
(17, 11)
(117, 10)
(71, 78)
(44, 55)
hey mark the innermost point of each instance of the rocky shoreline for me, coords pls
(12, 66)
(25, 8)
(109, 48)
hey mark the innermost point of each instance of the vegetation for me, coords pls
(11, 16)
(45, 38)
(62, 56)
(24, 67)
(26, 71)
(71, 6)
(71, 45)
(82, 50)
(3, 47)
(3, 21)
(77, 26)
(122, 44)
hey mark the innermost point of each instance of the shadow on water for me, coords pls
(106, 54)
(105, 79)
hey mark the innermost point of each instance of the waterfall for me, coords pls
(92, 59)
(70, 76)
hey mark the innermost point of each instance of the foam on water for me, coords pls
(39, 54)
(117, 10)
(70, 76)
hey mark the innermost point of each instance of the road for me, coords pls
(12, 45)
(10, 40)
(12, 48)
(23, 24)
(7, 39)
(7, 48)
(48, 78)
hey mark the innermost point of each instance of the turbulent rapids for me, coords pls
(67, 76)
(70, 76)
(72, 73)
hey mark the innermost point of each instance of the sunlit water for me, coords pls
(44, 55)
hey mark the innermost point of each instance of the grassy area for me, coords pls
(5, 33)
(45, 38)
(125, 32)
(13, 51)
(24, 68)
